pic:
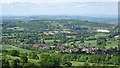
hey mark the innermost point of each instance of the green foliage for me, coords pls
(115, 60)
(66, 58)
(50, 60)
(82, 40)
(4, 52)
(23, 54)
(30, 65)
(14, 53)
(5, 63)
(68, 64)
(16, 63)
(101, 42)
(83, 58)
(96, 59)
(24, 59)
(33, 55)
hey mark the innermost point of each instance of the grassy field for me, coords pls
(101, 35)
(92, 42)
(50, 41)
(16, 28)
(113, 44)
(75, 63)
(10, 47)
(71, 36)
(29, 60)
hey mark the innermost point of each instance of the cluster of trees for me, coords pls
(45, 59)
(54, 59)
(53, 24)
(33, 55)
(101, 41)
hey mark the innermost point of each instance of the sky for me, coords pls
(59, 7)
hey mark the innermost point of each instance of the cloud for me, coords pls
(39, 1)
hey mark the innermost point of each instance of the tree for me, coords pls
(24, 59)
(5, 64)
(49, 60)
(96, 59)
(101, 41)
(4, 52)
(16, 63)
(33, 56)
(115, 60)
(30, 65)
(83, 58)
(14, 53)
(82, 40)
(67, 64)
(66, 58)
(43, 41)
(55, 42)
(22, 53)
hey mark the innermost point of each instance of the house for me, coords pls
(103, 31)
(117, 37)
(50, 32)
(36, 45)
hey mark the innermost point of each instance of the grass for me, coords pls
(16, 28)
(92, 42)
(50, 41)
(113, 44)
(71, 36)
(33, 60)
(75, 63)
(15, 57)
(101, 35)
(10, 47)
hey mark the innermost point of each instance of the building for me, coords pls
(104, 31)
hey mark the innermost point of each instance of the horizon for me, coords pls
(91, 9)
(105, 16)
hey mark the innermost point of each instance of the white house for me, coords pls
(101, 30)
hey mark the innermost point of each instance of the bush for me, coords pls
(14, 53)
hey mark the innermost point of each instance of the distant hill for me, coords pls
(109, 20)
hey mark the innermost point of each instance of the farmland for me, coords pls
(59, 43)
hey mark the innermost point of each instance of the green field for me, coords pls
(92, 42)
(75, 63)
(101, 35)
(16, 28)
(113, 44)
(50, 41)
(10, 47)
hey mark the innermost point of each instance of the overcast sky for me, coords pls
(59, 7)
